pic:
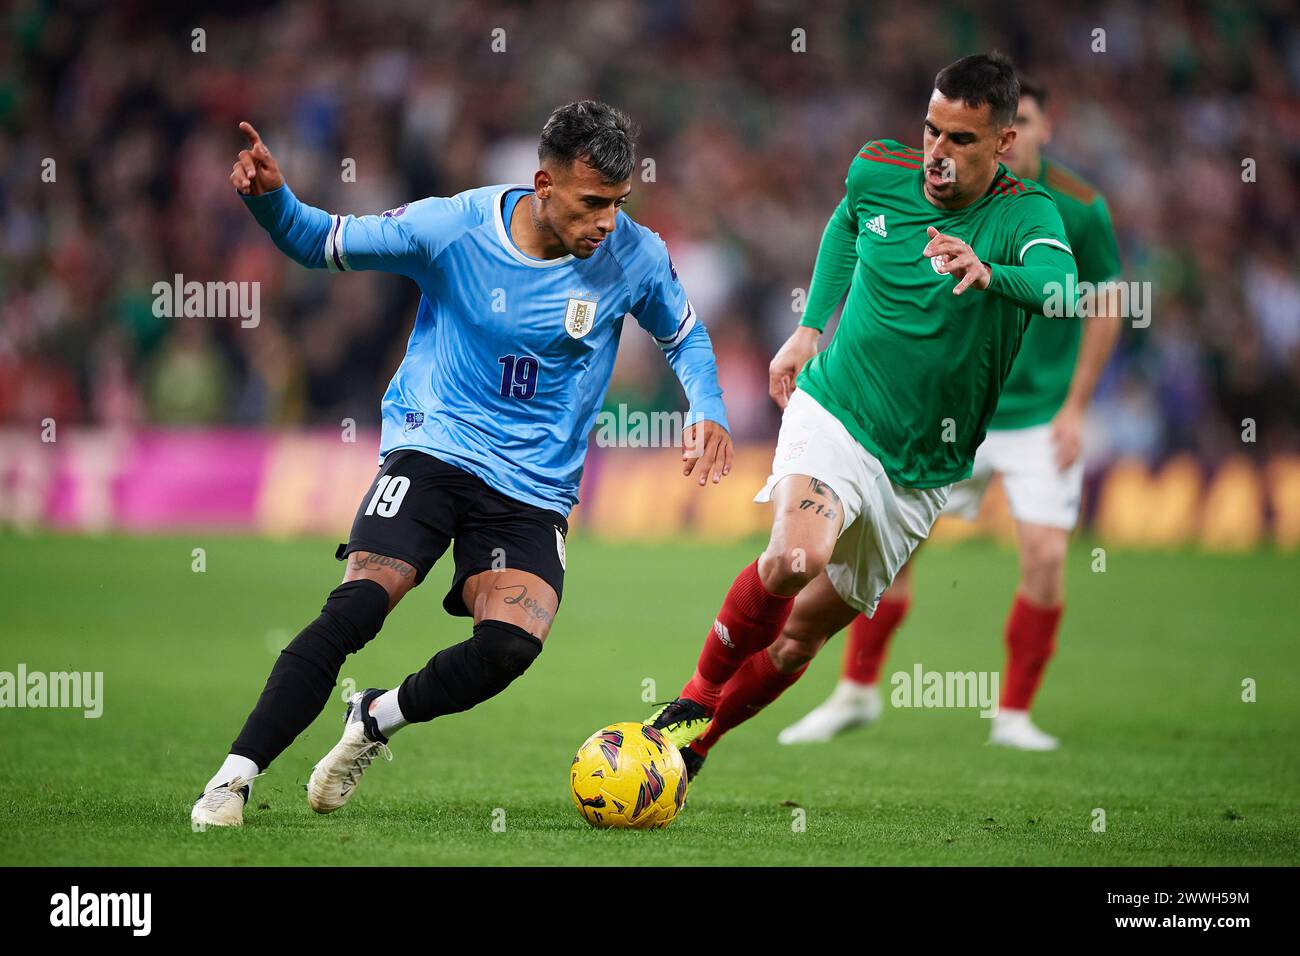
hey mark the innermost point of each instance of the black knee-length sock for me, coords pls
(465, 674)
(306, 671)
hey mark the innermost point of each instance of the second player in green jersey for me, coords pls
(944, 256)
(1033, 444)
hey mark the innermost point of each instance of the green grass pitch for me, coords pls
(1145, 693)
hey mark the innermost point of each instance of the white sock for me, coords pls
(851, 692)
(386, 712)
(235, 766)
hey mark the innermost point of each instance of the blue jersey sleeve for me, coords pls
(662, 309)
(402, 240)
(659, 303)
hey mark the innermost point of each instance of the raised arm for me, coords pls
(402, 240)
(255, 172)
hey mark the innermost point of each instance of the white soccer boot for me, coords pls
(850, 705)
(1013, 728)
(222, 806)
(335, 778)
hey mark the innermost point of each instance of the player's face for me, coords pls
(1033, 131)
(962, 149)
(578, 206)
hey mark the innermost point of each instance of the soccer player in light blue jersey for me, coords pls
(524, 289)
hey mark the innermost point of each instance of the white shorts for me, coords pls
(883, 522)
(1037, 491)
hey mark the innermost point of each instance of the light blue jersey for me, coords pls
(511, 356)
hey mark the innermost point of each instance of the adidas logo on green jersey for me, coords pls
(877, 225)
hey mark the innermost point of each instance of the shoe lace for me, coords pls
(215, 797)
(362, 761)
(680, 704)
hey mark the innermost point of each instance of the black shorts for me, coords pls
(418, 504)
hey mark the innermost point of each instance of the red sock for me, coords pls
(869, 639)
(750, 620)
(1031, 639)
(753, 687)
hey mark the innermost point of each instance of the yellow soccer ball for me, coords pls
(627, 776)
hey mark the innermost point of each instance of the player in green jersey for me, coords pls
(944, 254)
(1033, 442)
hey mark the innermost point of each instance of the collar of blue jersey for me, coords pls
(498, 204)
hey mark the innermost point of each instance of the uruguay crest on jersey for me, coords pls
(579, 317)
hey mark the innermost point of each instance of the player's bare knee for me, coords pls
(808, 519)
(789, 654)
(788, 570)
(1043, 569)
(1043, 588)
(802, 637)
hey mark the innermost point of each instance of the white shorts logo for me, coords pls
(723, 634)
(559, 549)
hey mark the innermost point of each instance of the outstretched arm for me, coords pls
(398, 241)
(298, 230)
(255, 172)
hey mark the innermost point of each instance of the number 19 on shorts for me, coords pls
(388, 495)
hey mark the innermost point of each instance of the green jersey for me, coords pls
(913, 371)
(1040, 378)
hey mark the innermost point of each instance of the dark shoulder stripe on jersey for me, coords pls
(907, 163)
(1070, 184)
(1008, 185)
(908, 151)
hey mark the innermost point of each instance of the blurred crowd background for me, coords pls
(750, 142)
